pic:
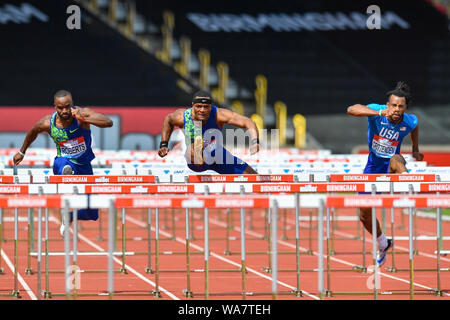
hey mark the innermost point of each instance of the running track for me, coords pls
(172, 283)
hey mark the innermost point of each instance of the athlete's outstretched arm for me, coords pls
(359, 110)
(172, 119)
(414, 135)
(235, 119)
(42, 125)
(89, 116)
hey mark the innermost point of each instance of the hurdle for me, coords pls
(395, 185)
(15, 291)
(206, 202)
(413, 236)
(2, 271)
(305, 189)
(430, 188)
(47, 253)
(24, 202)
(207, 292)
(244, 239)
(408, 202)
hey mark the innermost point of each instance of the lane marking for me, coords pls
(136, 273)
(19, 277)
(237, 229)
(199, 248)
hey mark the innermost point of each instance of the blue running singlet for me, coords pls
(385, 139)
(73, 146)
(215, 156)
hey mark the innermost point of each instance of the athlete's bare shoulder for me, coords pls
(177, 117)
(223, 115)
(43, 124)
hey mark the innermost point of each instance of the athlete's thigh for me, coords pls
(230, 165)
(59, 163)
(377, 167)
(397, 159)
(196, 168)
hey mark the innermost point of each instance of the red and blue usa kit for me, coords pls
(385, 138)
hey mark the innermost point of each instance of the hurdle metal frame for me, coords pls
(411, 220)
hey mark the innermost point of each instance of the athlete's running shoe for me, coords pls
(381, 256)
(62, 229)
(67, 170)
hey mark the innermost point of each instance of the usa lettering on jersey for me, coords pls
(386, 142)
(389, 134)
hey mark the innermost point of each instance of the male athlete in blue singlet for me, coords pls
(388, 125)
(69, 128)
(202, 125)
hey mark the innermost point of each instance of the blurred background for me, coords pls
(291, 65)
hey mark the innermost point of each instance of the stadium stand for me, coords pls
(305, 50)
(96, 63)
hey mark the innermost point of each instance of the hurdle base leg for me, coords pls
(437, 292)
(123, 271)
(149, 270)
(29, 271)
(156, 293)
(266, 269)
(328, 293)
(360, 269)
(298, 293)
(16, 294)
(47, 294)
(188, 293)
(309, 252)
(2, 271)
(391, 269)
(227, 253)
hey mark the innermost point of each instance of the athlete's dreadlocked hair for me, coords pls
(401, 90)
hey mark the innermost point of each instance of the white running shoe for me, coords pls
(381, 256)
(62, 229)
(67, 170)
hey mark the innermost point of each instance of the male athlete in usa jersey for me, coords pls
(388, 125)
(69, 127)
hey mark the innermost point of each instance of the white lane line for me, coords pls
(421, 253)
(19, 277)
(348, 235)
(139, 223)
(136, 273)
(325, 256)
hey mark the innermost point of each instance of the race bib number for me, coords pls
(72, 148)
(383, 146)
